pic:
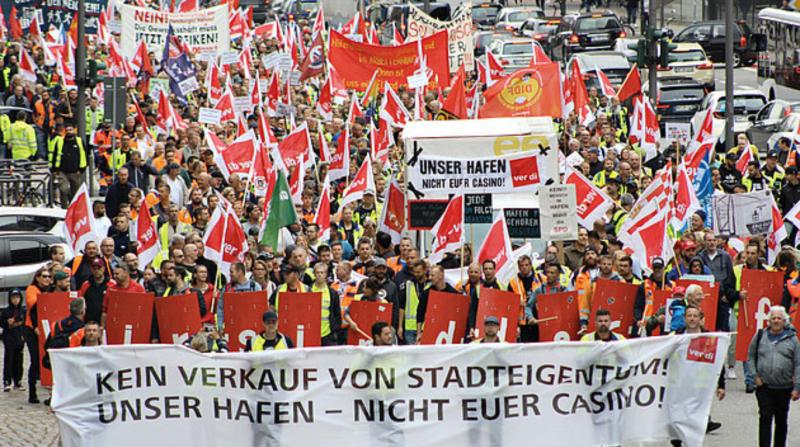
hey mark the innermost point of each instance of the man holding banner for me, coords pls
(552, 284)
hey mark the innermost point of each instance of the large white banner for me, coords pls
(558, 394)
(743, 215)
(520, 172)
(205, 30)
(461, 44)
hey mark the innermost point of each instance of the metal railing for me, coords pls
(25, 183)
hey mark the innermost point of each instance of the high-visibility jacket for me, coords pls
(793, 288)
(93, 119)
(259, 342)
(583, 285)
(517, 286)
(395, 263)
(601, 178)
(22, 140)
(5, 128)
(618, 219)
(413, 291)
(283, 288)
(57, 151)
(592, 336)
(165, 237)
(347, 293)
(325, 327)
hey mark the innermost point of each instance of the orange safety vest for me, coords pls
(583, 285)
(346, 296)
(76, 339)
(395, 263)
(516, 285)
(793, 287)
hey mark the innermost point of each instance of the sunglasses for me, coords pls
(45, 276)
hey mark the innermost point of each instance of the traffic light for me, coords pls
(664, 49)
(94, 68)
(641, 52)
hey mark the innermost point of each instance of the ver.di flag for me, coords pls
(148, 243)
(448, 233)
(279, 212)
(79, 224)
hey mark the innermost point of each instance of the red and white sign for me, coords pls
(592, 202)
(702, 349)
(362, 182)
(51, 308)
(497, 247)
(618, 298)
(393, 216)
(237, 158)
(299, 318)
(365, 314)
(243, 312)
(558, 316)
(445, 318)
(524, 171)
(710, 299)
(764, 290)
(146, 236)
(129, 318)
(178, 318)
(502, 305)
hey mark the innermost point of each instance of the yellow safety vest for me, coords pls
(285, 287)
(5, 127)
(259, 342)
(412, 301)
(600, 178)
(325, 326)
(22, 140)
(57, 150)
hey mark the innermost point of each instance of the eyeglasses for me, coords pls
(45, 276)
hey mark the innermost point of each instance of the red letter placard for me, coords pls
(764, 290)
(299, 317)
(129, 319)
(365, 314)
(710, 300)
(51, 308)
(503, 305)
(243, 317)
(178, 317)
(618, 298)
(560, 310)
(445, 319)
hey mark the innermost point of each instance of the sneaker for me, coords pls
(712, 426)
(749, 389)
(731, 374)
(7, 388)
(19, 387)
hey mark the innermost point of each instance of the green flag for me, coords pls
(280, 212)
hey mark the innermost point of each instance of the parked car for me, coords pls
(746, 104)
(22, 218)
(513, 54)
(769, 120)
(586, 32)
(484, 38)
(21, 254)
(786, 128)
(614, 65)
(484, 15)
(510, 19)
(540, 30)
(689, 60)
(711, 36)
(678, 99)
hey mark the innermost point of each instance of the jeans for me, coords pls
(410, 337)
(732, 323)
(68, 186)
(749, 374)
(773, 404)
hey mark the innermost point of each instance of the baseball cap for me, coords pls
(59, 276)
(658, 262)
(290, 268)
(173, 166)
(688, 245)
(678, 291)
(791, 170)
(731, 156)
(270, 316)
(15, 292)
(379, 262)
(772, 154)
(96, 263)
(491, 320)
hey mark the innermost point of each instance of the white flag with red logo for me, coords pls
(237, 158)
(362, 182)
(448, 233)
(497, 247)
(592, 202)
(225, 105)
(605, 85)
(496, 70)
(324, 148)
(381, 141)
(393, 216)
(704, 134)
(225, 241)
(686, 201)
(261, 174)
(657, 198)
(744, 159)
(295, 150)
(392, 109)
(323, 215)
(79, 224)
(777, 233)
(340, 158)
(148, 243)
(651, 241)
(355, 110)
(212, 84)
(27, 67)
(324, 102)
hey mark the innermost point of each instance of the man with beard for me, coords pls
(409, 303)
(582, 280)
(603, 328)
(491, 328)
(381, 273)
(552, 285)
(94, 290)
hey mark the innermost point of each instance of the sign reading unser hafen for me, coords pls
(204, 31)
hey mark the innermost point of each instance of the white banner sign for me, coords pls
(681, 132)
(746, 214)
(209, 116)
(204, 31)
(459, 33)
(433, 174)
(560, 394)
(559, 218)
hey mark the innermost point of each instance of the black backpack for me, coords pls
(56, 340)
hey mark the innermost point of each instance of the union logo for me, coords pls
(522, 89)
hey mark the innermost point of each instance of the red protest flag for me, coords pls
(497, 247)
(129, 317)
(314, 62)
(445, 318)
(237, 158)
(524, 93)
(393, 216)
(178, 317)
(323, 215)
(558, 316)
(243, 312)
(592, 202)
(456, 102)
(503, 305)
(365, 314)
(299, 317)
(448, 232)
(392, 108)
(631, 86)
(15, 27)
(51, 308)
(618, 298)
(362, 182)
(764, 290)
